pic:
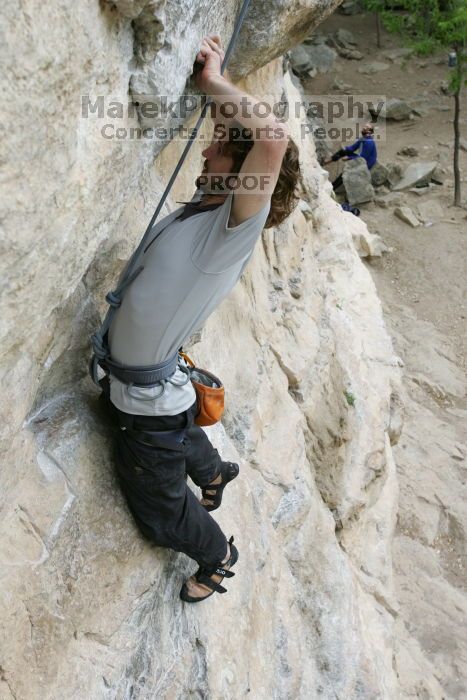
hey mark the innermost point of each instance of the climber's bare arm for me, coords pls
(270, 136)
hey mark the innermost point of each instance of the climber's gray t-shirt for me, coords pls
(188, 271)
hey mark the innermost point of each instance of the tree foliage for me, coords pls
(427, 24)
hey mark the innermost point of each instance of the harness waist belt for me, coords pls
(143, 376)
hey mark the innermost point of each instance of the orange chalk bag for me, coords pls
(210, 393)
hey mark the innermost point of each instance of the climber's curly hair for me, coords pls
(285, 197)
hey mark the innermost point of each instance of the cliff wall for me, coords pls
(89, 609)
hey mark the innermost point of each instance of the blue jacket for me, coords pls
(368, 150)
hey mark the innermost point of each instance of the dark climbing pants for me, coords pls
(152, 479)
(338, 182)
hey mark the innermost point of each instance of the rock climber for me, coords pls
(191, 267)
(367, 147)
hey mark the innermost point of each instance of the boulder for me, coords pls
(394, 173)
(349, 54)
(379, 175)
(429, 211)
(408, 151)
(317, 38)
(340, 85)
(395, 109)
(391, 199)
(344, 43)
(422, 191)
(407, 215)
(300, 60)
(311, 57)
(438, 175)
(416, 174)
(395, 54)
(349, 7)
(345, 37)
(444, 87)
(357, 181)
(374, 67)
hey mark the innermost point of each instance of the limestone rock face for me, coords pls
(167, 36)
(89, 609)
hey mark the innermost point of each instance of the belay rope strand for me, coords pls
(114, 299)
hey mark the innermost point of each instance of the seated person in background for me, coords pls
(367, 148)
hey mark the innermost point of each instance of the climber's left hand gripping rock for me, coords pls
(208, 62)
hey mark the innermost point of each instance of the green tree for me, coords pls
(378, 7)
(431, 25)
(452, 31)
(445, 26)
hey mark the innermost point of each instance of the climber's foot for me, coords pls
(212, 493)
(205, 501)
(199, 590)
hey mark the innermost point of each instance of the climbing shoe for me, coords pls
(204, 573)
(213, 492)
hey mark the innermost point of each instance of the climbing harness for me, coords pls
(153, 374)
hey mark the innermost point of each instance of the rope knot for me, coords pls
(113, 299)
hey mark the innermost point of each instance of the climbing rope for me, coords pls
(114, 298)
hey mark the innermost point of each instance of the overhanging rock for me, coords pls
(166, 40)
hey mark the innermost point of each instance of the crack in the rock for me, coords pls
(29, 525)
(96, 637)
(57, 464)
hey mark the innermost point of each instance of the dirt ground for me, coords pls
(421, 282)
(426, 267)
